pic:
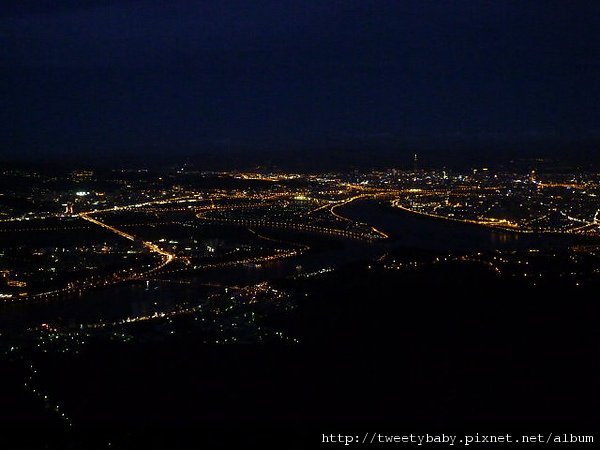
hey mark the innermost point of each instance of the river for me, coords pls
(406, 230)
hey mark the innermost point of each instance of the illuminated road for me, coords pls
(313, 206)
(166, 256)
(350, 200)
(292, 226)
(85, 216)
(498, 224)
(376, 234)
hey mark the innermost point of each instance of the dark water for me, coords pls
(406, 231)
(414, 231)
(107, 304)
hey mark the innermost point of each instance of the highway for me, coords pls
(166, 256)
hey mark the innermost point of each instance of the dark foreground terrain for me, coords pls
(450, 348)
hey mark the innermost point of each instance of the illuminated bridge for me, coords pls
(376, 234)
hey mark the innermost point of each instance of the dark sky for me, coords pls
(93, 78)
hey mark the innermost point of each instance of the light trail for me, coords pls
(166, 256)
(292, 226)
(85, 216)
(279, 241)
(350, 200)
(498, 224)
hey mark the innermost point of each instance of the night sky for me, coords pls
(91, 79)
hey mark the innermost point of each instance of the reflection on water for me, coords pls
(503, 238)
(415, 231)
(407, 231)
(107, 304)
